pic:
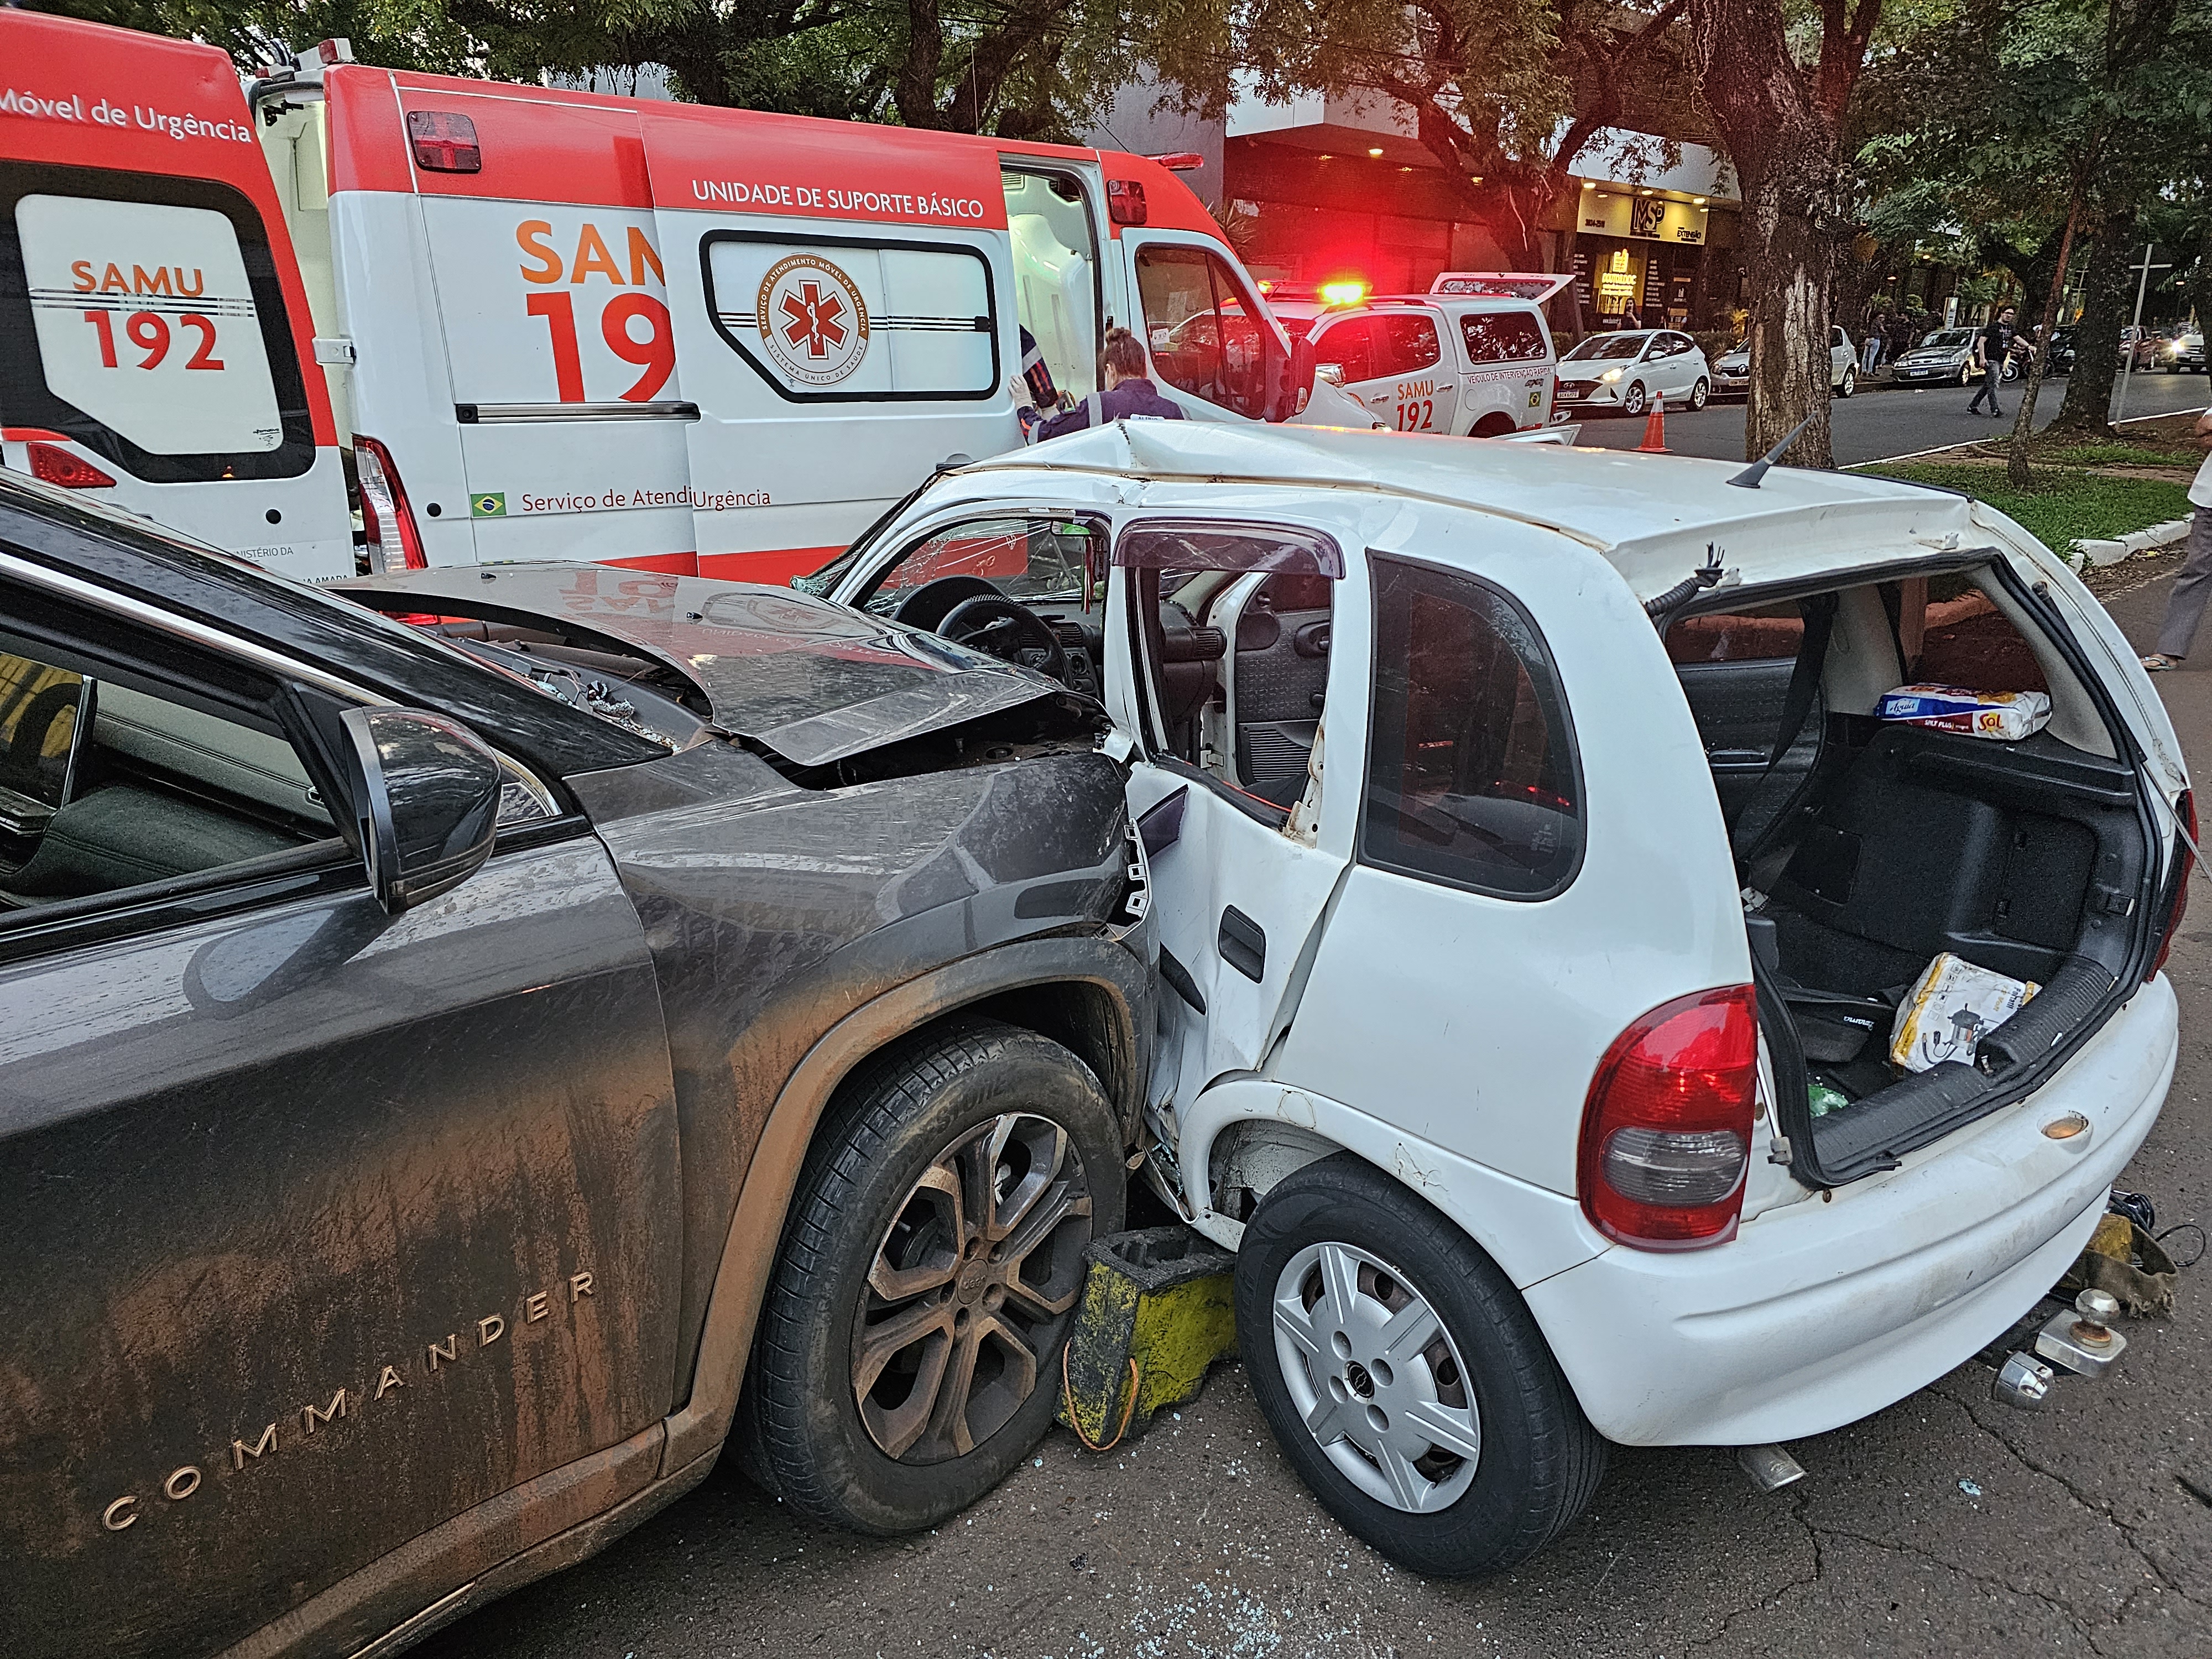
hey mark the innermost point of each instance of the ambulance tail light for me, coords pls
(1125, 202)
(1666, 1140)
(444, 143)
(56, 466)
(394, 542)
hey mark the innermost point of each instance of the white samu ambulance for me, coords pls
(555, 324)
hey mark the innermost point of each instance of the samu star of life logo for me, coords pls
(812, 319)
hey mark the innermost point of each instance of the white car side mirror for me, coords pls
(1332, 373)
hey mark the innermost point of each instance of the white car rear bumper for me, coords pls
(1821, 1312)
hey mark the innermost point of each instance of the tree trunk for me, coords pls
(1780, 125)
(2106, 296)
(1790, 267)
(2023, 423)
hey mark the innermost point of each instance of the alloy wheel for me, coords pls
(1376, 1378)
(971, 1289)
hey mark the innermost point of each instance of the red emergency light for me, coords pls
(1125, 202)
(1180, 161)
(444, 143)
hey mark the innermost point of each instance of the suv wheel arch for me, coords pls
(1030, 974)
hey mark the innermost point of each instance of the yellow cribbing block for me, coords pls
(1162, 1297)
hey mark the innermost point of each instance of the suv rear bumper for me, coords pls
(1823, 1311)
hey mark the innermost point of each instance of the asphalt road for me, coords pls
(1876, 425)
(1947, 1524)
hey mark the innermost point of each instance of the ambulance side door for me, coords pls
(838, 343)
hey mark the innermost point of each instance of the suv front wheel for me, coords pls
(1404, 1377)
(908, 1354)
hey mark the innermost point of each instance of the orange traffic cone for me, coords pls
(1655, 428)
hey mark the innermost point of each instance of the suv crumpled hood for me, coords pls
(814, 681)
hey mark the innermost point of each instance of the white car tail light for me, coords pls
(1667, 1128)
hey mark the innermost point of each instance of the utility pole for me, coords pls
(2142, 286)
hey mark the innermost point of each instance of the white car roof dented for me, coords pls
(1650, 516)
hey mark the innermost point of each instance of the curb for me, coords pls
(2100, 551)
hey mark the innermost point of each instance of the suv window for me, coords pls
(1201, 329)
(1503, 337)
(113, 787)
(1471, 772)
(1405, 345)
(1350, 345)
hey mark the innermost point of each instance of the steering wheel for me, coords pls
(929, 605)
(1013, 633)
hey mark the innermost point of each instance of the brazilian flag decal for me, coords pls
(488, 506)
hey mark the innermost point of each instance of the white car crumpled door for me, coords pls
(1237, 899)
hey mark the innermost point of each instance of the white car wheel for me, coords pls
(1700, 392)
(1850, 383)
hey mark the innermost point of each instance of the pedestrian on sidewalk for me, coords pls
(1990, 348)
(2193, 585)
(1871, 353)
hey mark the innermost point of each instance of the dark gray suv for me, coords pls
(455, 1077)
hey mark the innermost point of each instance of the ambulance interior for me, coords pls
(1056, 288)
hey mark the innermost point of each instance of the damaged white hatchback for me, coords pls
(1551, 901)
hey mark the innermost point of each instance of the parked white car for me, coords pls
(1528, 966)
(1732, 369)
(1625, 371)
(1473, 366)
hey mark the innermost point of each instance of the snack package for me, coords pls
(1951, 1005)
(2008, 716)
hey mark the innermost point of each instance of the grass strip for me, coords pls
(2063, 504)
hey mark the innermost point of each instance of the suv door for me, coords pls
(324, 1226)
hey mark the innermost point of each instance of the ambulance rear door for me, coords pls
(156, 346)
(844, 311)
(567, 401)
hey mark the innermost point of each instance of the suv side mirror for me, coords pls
(425, 795)
(1332, 373)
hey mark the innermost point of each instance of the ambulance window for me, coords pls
(143, 318)
(1503, 337)
(1201, 330)
(844, 319)
(1056, 294)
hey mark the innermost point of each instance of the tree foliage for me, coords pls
(1505, 93)
(1017, 67)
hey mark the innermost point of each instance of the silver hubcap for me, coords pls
(1376, 1378)
(971, 1288)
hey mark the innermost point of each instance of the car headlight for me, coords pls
(1611, 375)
